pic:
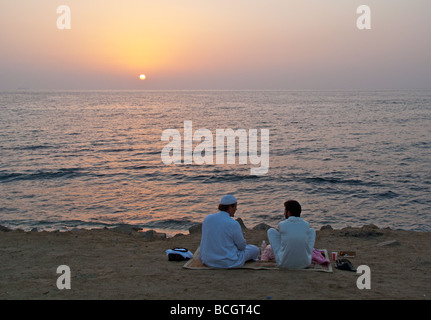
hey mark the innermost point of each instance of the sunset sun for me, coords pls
(142, 77)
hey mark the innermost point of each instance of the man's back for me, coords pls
(222, 244)
(296, 243)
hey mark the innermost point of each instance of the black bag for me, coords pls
(344, 264)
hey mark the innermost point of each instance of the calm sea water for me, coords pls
(93, 159)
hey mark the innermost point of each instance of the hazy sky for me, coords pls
(220, 44)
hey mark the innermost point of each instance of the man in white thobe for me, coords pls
(293, 243)
(222, 243)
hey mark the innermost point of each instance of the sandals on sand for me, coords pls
(344, 264)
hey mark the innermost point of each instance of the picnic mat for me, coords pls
(196, 264)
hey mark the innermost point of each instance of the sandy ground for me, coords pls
(106, 264)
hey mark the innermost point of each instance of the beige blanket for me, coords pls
(196, 264)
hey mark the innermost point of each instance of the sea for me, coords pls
(93, 159)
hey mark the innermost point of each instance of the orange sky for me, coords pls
(236, 44)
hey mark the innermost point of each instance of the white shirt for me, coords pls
(222, 243)
(293, 244)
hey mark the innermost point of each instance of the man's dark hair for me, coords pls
(224, 207)
(294, 207)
